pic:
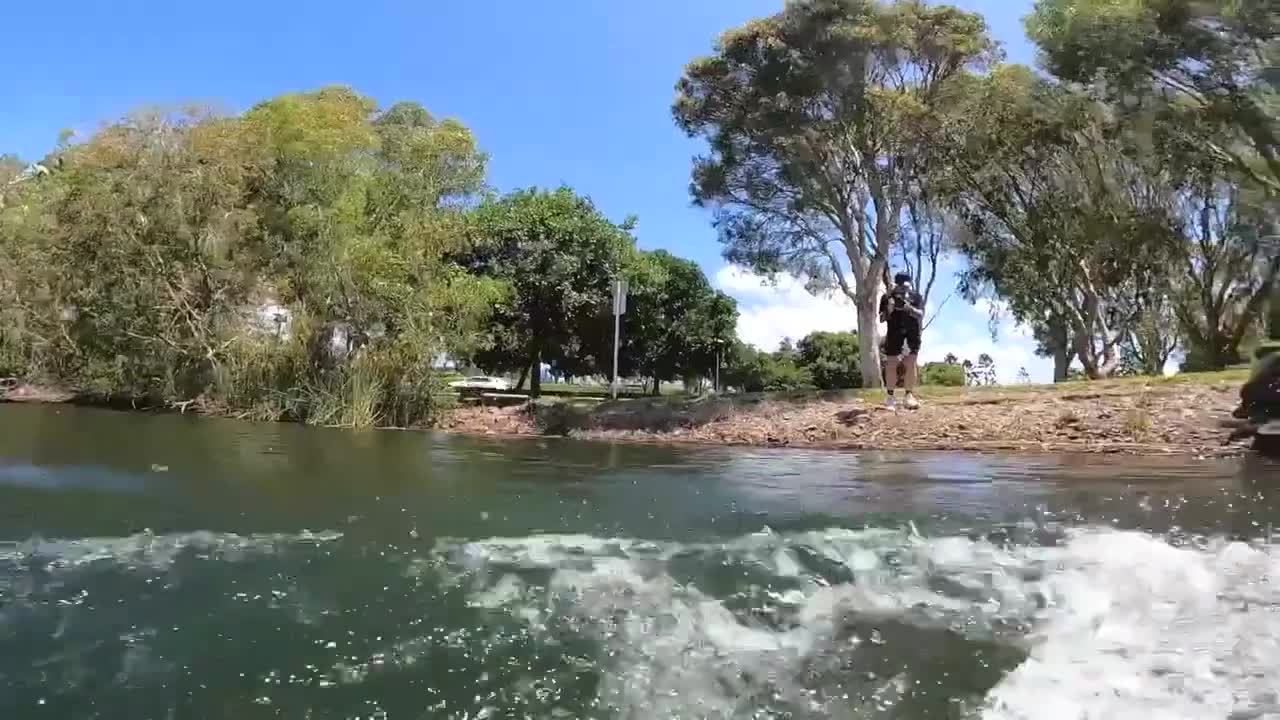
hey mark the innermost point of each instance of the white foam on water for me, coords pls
(673, 650)
(147, 549)
(1112, 624)
(1137, 628)
(1115, 624)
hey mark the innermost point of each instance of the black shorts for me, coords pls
(900, 336)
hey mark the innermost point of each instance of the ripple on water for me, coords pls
(839, 623)
(93, 617)
(151, 550)
(1106, 623)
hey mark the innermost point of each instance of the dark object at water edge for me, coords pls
(1260, 405)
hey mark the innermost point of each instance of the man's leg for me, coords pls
(909, 362)
(912, 374)
(893, 350)
(909, 382)
(891, 373)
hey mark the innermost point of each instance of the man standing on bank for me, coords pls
(902, 309)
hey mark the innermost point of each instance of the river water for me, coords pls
(176, 567)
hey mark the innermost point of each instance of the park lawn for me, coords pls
(1181, 414)
(629, 390)
(982, 395)
(1082, 388)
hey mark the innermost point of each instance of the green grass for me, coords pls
(1116, 386)
(561, 414)
(556, 394)
(554, 390)
(983, 394)
(602, 391)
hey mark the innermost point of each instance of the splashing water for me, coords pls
(853, 623)
(871, 623)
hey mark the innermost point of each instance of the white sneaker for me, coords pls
(891, 403)
(912, 403)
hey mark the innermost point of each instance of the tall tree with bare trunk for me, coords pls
(818, 119)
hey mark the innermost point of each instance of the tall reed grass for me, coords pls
(377, 385)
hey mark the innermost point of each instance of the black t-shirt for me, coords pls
(892, 304)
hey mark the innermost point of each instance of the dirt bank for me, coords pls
(1166, 416)
(16, 391)
(1172, 416)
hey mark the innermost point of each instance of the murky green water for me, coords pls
(172, 567)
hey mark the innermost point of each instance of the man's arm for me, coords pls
(884, 308)
(915, 305)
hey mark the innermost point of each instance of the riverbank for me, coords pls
(1181, 415)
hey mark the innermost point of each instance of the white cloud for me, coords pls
(767, 313)
(1012, 349)
(1009, 355)
(1004, 318)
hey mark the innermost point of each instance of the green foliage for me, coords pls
(745, 368)
(831, 359)
(138, 267)
(1231, 267)
(143, 265)
(943, 374)
(11, 166)
(1114, 237)
(1194, 81)
(675, 321)
(1210, 64)
(559, 256)
(823, 360)
(1065, 214)
(819, 121)
(785, 374)
(751, 370)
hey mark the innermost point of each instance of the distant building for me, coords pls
(34, 170)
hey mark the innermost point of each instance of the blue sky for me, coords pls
(572, 91)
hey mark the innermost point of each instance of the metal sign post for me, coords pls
(619, 309)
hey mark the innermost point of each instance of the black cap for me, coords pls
(901, 278)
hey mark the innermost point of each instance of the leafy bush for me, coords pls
(752, 370)
(945, 374)
(134, 270)
(787, 375)
(832, 359)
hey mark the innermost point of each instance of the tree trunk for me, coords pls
(1109, 365)
(869, 340)
(1062, 358)
(1089, 330)
(535, 373)
(1221, 354)
(1099, 368)
(1088, 355)
(1153, 366)
(1154, 349)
